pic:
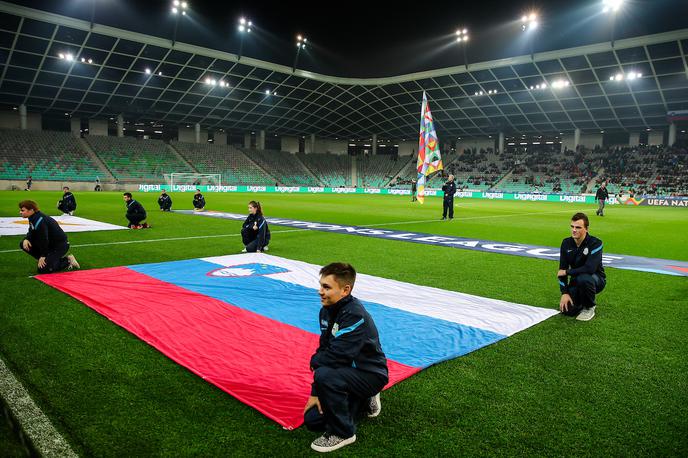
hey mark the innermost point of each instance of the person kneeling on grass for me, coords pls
(255, 233)
(45, 241)
(165, 201)
(67, 204)
(580, 258)
(135, 213)
(198, 201)
(349, 367)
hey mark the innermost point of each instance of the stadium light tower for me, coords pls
(529, 23)
(612, 7)
(179, 8)
(244, 27)
(300, 44)
(462, 38)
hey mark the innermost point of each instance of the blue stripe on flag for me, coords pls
(408, 338)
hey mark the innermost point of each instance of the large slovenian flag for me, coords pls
(249, 323)
(429, 158)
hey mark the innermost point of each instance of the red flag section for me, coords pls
(261, 362)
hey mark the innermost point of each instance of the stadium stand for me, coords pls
(284, 166)
(53, 156)
(130, 159)
(333, 169)
(377, 171)
(235, 167)
(644, 170)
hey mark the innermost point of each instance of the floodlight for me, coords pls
(90, 61)
(69, 57)
(148, 71)
(61, 56)
(175, 10)
(159, 73)
(611, 5)
(267, 92)
(175, 2)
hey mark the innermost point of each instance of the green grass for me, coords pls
(614, 386)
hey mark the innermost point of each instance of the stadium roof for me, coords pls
(300, 102)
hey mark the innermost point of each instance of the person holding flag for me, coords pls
(429, 157)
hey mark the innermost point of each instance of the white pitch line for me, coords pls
(86, 245)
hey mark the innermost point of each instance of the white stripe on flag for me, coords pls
(501, 317)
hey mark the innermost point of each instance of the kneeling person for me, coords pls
(135, 212)
(198, 201)
(581, 274)
(45, 241)
(255, 233)
(68, 202)
(349, 367)
(165, 201)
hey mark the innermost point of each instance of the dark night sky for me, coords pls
(369, 39)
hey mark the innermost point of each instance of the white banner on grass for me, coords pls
(20, 226)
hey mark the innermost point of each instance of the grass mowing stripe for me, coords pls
(33, 422)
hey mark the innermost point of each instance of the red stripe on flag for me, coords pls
(261, 362)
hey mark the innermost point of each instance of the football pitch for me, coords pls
(614, 386)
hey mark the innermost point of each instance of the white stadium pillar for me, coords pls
(312, 143)
(634, 139)
(120, 125)
(261, 140)
(501, 143)
(197, 133)
(576, 137)
(247, 140)
(374, 144)
(672, 134)
(22, 116)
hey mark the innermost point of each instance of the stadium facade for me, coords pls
(102, 80)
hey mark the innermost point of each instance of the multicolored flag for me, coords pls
(429, 158)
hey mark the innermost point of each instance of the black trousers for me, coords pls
(582, 289)
(55, 260)
(343, 393)
(448, 204)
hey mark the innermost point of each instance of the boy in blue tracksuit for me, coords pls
(349, 367)
(581, 274)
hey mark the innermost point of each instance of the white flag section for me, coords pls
(490, 315)
(20, 226)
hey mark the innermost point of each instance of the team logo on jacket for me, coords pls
(335, 329)
(585, 251)
(247, 270)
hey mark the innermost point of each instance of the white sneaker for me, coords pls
(374, 406)
(73, 264)
(330, 442)
(586, 314)
(244, 250)
(265, 248)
